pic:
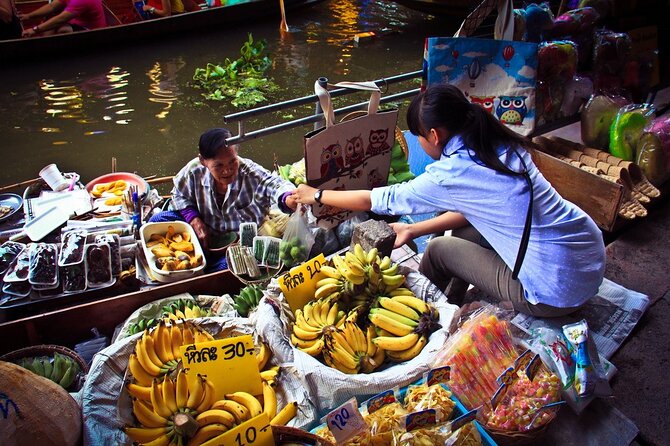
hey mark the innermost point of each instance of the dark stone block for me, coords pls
(374, 234)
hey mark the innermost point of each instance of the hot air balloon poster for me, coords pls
(497, 74)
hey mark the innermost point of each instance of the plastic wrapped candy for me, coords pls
(577, 25)
(557, 64)
(603, 7)
(577, 91)
(611, 54)
(597, 117)
(627, 128)
(653, 150)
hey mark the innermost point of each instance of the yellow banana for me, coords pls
(206, 433)
(202, 336)
(401, 291)
(398, 317)
(370, 334)
(355, 336)
(329, 271)
(142, 377)
(409, 353)
(340, 355)
(372, 255)
(391, 270)
(360, 254)
(141, 392)
(326, 290)
(306, 318)
(247, 400)
(146, 434)
(314, 350)
(379, 357)
(159, 405)
(188, 337)
(324, 310)
(143, 357)
(390, 325)
(196, 390)
(331, 318)
(393, 280)
(180, 314)
(328, 281)
(150, 348)
(263, 355)
(169, 394)
(270, 374)
(399, 308)
(353, 263)
(216, 416)
(413, 302)
(339, 366)
(352, 277)
(162, 342)
(181, 389)
(385, 263)
(208, 398)
(301, 343)
(188, 312)
(163, 440)
(396, 343)
(239, 411)
(285, 415)
(146, 416)
(269, 400)
(338, 337)
(175, 340)
(306, 334)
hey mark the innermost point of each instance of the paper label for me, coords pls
(255, 432)
(463, 419)
(423, 418)
(438, 375)
(299, 283)
(346, 422)
(230, 364)
(380, 400)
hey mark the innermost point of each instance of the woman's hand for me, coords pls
(404, 233)
(201, 231)
(304, 194)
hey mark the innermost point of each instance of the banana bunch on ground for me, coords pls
(60, 369)
(184, 410)
(157, 352)
(403, 323)
(313, 322)
(350, 350)
(184, 309)
(248, 299)
(173, 250)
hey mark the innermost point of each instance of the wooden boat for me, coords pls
(126, 25)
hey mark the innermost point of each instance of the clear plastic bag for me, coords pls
(298, 239)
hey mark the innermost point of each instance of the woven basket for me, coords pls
(512, 438)
(285, 434)
(48, 350)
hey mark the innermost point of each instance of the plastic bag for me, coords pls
(627, 129)
(597, 117)
(298, 239)
(653, 150)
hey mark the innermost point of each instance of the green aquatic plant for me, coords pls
(241, 81)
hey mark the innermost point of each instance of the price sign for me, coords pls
(299, 283)
(230, 364)
(346, 422)
(255, 432)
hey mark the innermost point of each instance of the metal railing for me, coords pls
(241, 117)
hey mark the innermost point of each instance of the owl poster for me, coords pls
(499, 75)
(354, 154)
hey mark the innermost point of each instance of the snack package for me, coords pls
(611, 53)
(577, 335)
(627, 128)
(653, 150)
(421, 396)
(297, 240)
(597, 117)
(384, 416)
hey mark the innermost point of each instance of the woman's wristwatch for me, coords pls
(317, 196)
(36, 28)
(152, 10)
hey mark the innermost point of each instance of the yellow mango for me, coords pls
(161, 251)
(196, 261)
(182, 246)
(186, 236)
(184, 264)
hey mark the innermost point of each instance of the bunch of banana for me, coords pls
(349, 350)
(263, 355)
(248, 299)
(60, 369)
(315, 319)
(404, 323)
(157, 352)
(184, 309)
(334, 286)
(142, 324)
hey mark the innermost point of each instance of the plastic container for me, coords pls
(8, 252)
(18, 270)
(43, 264)
(72, 248)
(247, 233)
(115, 246)
(74, 278)
(149, 229)
(99, 265)
(21, 289)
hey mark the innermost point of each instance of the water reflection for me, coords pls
(163, 87)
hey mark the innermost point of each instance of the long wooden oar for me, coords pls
(23, 183)
(283, 26)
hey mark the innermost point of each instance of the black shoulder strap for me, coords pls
(529, 218)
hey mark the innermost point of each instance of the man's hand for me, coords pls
(201, 231)
(404, 233)
(291, 202)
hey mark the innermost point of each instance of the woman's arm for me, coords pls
(165, 12)
(53, 23)
(444, 222)
(6, 11)
(354, 200)
(42, 11)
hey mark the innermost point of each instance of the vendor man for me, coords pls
(218, 190)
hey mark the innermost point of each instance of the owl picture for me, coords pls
(485, 101)
(512, 109)
(375, 179)
(378, 143)
(353, 151)
(331, 161)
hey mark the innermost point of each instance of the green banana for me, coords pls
(38, 366)
(48, 366)
(58, 369)
(69, 375)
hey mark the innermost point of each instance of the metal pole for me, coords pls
(323, 82)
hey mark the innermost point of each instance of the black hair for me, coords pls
(445, 106)
(212, 141)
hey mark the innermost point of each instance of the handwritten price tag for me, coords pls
(230, 364)
(346, 422)
(299, 283)
(255, 432)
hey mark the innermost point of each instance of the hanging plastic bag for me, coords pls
(298, 239)
(627, 128)
(653, 150)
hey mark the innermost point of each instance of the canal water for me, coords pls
(136, 104)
